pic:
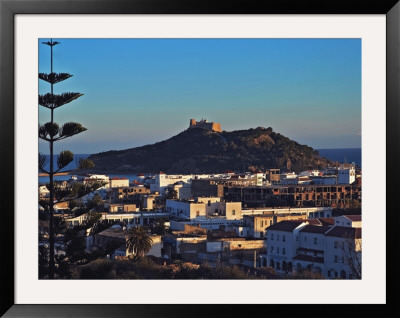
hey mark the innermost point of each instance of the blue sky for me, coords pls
(141, 91)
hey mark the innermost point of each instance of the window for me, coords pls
(272, 236)
(272, 249)
(342, 259)
(277, 250)
(335, 259)
(261, 223)
(233, 212)
(315, 241)
(277, 237)
(284, 238)
(305, 238)
(335, 244)
(297, 238)
(283, 251)
(329, 273)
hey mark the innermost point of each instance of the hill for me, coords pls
(204, 151)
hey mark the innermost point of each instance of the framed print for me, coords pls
(162, 212)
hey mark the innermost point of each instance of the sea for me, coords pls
(74, 164)
(342, 155)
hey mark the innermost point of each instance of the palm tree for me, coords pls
(138, 242)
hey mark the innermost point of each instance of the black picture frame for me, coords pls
(10, 8)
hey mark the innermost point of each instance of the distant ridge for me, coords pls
(204, 151)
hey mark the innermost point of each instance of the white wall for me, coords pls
(334, 248)
(344, 221)
(346, 176)
(118, 183)
(186, 209)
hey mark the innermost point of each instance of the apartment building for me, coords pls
(330, 250)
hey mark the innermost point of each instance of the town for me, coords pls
(271, 224)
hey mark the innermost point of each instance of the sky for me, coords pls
(142, 91)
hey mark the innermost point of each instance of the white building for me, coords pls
(90, 178)
(325, 180)
(183, 190)
(185, 209)
(288, 175)
(346, 175)
(348, 220)
(296, 181)
(204, 206)
(343, 246)
(259, 176)
(208, 223)
(311, 212)
(282, 244)
(309, 173)
(135, 218)
(117, 182)
(148, 201)
(332, 251)
(163, 181)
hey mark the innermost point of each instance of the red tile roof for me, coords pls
(285, 226)
(314, 221)
(327, 221)
(318, 229)
(344, 232)
(354, 218)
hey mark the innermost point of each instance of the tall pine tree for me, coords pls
(53, 132)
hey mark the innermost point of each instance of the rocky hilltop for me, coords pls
(204, 151)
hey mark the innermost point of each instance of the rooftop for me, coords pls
(326, 221)
(113, 232)
(286, 226)
(344, 232)
(354, 218)
(317, 229)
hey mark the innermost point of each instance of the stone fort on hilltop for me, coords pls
(205, 125)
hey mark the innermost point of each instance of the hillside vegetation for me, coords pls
(203, 151)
